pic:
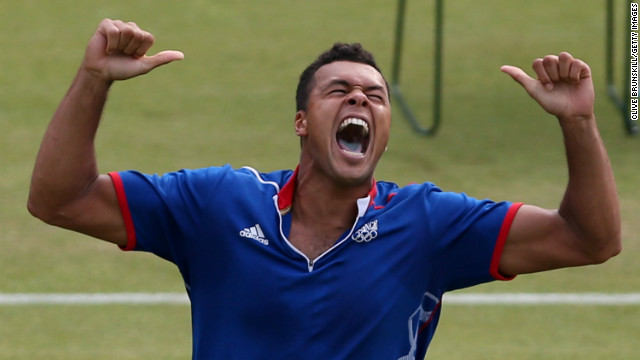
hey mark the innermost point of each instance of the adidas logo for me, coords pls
(366, 233)
(255, 233)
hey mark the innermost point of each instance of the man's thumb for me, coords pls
(163, 58)
(521, 77)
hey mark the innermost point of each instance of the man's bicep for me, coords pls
(98, 213)
(539, 240)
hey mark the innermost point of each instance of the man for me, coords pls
(322, 262)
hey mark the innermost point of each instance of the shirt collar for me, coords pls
(285, 195)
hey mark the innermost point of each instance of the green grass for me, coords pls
(231, 101)
(95, 332)
(536, 332)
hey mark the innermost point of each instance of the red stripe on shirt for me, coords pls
(433, 314)
(124, 209)
(502, 239)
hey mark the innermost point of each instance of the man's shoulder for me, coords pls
(392, 188)
(211, 177)
(277, 178)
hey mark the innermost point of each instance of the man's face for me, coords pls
(345, 128)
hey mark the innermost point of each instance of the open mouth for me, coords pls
(353, 136)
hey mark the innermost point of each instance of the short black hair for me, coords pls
(339, 52)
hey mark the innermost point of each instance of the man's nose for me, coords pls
(357, 97)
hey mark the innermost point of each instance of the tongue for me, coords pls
(355, 147)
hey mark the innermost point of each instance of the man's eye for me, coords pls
(338, 91)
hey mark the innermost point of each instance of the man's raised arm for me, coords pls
(66, 187)
(586, 227)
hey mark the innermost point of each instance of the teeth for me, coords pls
(355, 121)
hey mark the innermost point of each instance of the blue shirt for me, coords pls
(376, 294)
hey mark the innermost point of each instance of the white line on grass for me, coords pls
(449, 299)
(94, 299)
(543, 299)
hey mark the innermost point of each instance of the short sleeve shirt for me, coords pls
(376, 294)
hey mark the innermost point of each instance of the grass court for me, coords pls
(232, 101)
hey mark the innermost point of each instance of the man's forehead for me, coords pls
(352, 72)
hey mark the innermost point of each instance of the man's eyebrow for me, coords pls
(337, 82)
(345, 83)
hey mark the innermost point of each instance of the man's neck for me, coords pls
(322, 212)
(320, 199)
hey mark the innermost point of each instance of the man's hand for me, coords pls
(564, 87)
(117, 51)
(66, 187)
(586, 227)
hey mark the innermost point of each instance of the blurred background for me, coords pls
(231, 100)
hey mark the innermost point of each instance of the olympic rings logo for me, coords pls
(366, 233)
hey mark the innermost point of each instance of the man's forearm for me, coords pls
(590, 203)
(66, 163)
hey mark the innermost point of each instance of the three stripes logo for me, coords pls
(366, 233)
(255, 233)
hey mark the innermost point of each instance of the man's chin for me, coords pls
(356, 179)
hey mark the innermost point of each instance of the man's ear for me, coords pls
(301, 123)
